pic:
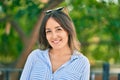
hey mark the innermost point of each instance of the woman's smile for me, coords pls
(56, 41)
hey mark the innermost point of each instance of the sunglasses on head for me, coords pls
(57, 9)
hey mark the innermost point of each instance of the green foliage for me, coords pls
(9, 46)
(97, 25)
(25, 13)
(98, 29)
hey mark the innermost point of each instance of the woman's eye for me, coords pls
(59, 29)
(48, 31)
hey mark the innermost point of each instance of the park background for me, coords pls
(97, 24)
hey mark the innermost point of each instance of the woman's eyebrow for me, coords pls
(47, 28)
(55, 27)
(58, 27)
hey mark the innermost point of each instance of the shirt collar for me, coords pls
(75, 55)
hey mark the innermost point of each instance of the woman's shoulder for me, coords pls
(37, 53)
(81, 56)
(81, 61)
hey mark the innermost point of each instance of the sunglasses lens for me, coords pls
(50, 11)
(59, 9)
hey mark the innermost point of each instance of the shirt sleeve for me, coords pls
(28, 66)
(86, 71)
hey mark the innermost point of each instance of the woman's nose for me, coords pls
(54, 35)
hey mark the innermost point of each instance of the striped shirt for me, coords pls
(38, 67)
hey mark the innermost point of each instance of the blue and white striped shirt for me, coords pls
(38, 67)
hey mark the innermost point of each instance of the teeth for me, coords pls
(56, 42)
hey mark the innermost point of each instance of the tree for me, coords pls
(29, 6)
(97, 25)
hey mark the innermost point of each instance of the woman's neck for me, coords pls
(63, 51)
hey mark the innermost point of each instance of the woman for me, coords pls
(58, 57)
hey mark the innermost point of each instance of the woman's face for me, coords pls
(57, 37)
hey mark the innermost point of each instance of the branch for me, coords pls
(16, 27)
(19, 31)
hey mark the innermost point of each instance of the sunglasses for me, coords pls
(57, 9)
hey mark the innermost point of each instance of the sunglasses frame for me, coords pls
(52, 10)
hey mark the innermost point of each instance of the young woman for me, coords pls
(58, 57)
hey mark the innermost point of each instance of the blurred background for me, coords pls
(97, 24)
